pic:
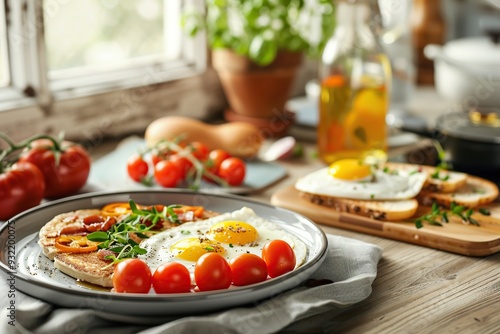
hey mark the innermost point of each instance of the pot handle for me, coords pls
(433, 51)
(416, 125)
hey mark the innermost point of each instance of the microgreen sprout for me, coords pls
(139, 222)
(438, 215)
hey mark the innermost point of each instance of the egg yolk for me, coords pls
(349, 169)
(191, 249)
(234, 232)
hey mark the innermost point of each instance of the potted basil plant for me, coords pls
(257, 47)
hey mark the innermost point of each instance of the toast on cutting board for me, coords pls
(440, 186)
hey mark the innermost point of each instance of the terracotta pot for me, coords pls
(258, 94)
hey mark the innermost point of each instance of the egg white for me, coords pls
(159, 245)
(394, 185)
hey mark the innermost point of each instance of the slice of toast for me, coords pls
(438, 180)
(475, 192)
(50, 231)
(88, 267)
(380, 210)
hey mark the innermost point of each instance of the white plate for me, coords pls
(110, 172)
(35, 275)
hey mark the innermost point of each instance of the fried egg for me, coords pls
(351, 178)
(228, 234)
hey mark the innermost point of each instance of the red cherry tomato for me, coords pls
(137, 168)
(217, 156)
(199, 150)
(167, 174)
(233, 170)
(248, 269)
(171, 277)
(64, 178)
(21, 187)
(279, 257)
(132, 275)
(182, 163)
(212, 272)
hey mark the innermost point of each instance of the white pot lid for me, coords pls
(474, 51)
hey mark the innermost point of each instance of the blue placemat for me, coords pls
(110, 172)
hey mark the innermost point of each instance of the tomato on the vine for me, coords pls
(137, 168)
(132, 275)
(216, 157)
(233, 170)
(248, 269)
(199, 150)
(279, 257)
(167, 174)
(63, 176)
(172, 277)
(183, 164)
(212, 272)
(21, 187)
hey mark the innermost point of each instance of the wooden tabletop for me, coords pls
(417, 289)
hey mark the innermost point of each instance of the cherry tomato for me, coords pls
(167, 174)
(183, 164)
(132, 275)
(21, 187)
(171, 277)
(68, 175)
(217, 156)
(279, 257)
(200, 150)
(155, 158)
(212, 272)
(137, 168)
(248, 269)
(233, 170)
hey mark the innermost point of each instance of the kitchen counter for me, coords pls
(417, 289)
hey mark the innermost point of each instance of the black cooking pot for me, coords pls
(470, 140)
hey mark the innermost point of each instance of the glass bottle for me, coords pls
(354, 77)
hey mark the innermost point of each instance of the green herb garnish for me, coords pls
(436, 175)
(140, 221)
(437, 216)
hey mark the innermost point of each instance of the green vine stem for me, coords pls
(13, 147)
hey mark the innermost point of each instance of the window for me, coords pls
(75, 60)
(4, 61)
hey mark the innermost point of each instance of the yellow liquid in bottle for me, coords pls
(352, 122)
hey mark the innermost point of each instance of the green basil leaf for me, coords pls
(98, 236)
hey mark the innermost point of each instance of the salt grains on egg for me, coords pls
(228, 234)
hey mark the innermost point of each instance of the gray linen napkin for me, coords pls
(350, 264)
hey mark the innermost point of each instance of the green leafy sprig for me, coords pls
(117, 239)
(200, 169)
(438, 215)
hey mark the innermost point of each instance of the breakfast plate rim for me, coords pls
(195, 302)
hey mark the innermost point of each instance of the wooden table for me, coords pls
(417, 289)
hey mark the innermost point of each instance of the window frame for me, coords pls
(31, 89)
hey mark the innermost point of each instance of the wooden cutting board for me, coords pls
(453, 237)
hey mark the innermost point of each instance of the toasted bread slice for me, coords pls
(380, 210)
(438, 180)
(88, 267)
(475, 192)
(51, 230)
